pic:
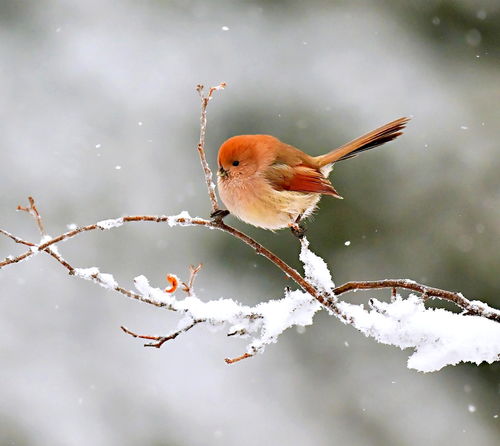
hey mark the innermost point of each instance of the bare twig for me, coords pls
(238, 358)
(193, 271)
(53, 253)
(48, 250)
(16, 239)
(161, 339)
(32, 210)
(201, 145)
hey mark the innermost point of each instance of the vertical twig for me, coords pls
(32, 210)
(201, 145)
(193, 271)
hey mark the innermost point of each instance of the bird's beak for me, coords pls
(222, 173)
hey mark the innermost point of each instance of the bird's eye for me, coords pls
(236, 163)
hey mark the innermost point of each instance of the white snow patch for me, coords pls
(86, 273)
(111, 223)
(107, 281)
(264, 322)
(438, 336)
(93, 274)
(157, 295)
(174, 219)
(295, 309)
(315, 268)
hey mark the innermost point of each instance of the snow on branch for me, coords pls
(437, 337)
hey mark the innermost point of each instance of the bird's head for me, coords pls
(242, 156)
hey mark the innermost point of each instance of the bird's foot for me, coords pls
(297, 230)
(219, 214)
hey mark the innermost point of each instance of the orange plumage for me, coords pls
(272, 185)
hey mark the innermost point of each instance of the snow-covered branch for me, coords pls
(438, 337)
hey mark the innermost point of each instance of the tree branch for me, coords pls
(161, 339)
(201, 145)
(473, 308)
(298, 308)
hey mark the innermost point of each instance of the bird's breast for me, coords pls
(256, 202)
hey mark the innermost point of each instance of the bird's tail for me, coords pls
(373, 139)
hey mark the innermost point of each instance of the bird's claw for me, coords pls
(297, 230)
(219, 214)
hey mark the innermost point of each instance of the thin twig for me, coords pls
(161, 339)
(32, 210)
(53, 253)
(16, 239)
(238, 358)
(48, 250)
(193, 271)
(205, 99)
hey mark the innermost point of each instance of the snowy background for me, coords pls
(99, 118)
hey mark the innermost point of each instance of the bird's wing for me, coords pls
(299, 178)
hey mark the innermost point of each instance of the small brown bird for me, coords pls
(273, 185)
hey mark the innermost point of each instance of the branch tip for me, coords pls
(237, 359)
(32, 210)
(193, 271)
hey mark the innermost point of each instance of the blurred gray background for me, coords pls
(99, 118)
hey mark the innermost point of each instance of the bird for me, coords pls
(273, 185)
